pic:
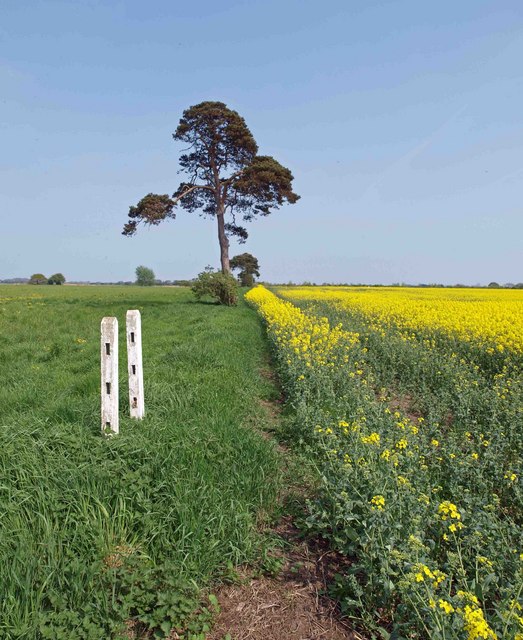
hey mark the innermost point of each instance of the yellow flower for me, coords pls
(468, 597)
(485, 561)
(446, 606)
(438, 577)
(421, 572)
(373, 439)
(378, 502)
(447, 510)
(475, 624)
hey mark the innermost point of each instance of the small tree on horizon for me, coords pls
(56, 278)
(226, 179)
(37, 278)
(248, 267)
(144, 276)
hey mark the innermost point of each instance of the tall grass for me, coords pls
(93, 531)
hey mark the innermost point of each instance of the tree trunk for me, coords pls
(224, 243)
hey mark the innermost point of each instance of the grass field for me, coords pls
(411, 403)
(95, 532)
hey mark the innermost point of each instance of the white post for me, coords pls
(109, 361)
(134, 362)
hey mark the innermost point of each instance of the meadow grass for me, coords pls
(97, 531)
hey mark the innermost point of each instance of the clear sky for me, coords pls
(400, 120)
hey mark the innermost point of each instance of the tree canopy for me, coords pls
(225, 178)
(248, 267)
(144, 276)
(38, 278)
(56, 278)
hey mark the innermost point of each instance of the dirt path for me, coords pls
(289, 605)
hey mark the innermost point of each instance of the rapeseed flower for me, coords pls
(378, 502)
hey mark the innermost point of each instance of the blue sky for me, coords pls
(400, 120)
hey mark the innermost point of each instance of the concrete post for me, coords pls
(109, 362)
(134, 363)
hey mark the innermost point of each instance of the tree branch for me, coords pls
(189, 190)
(231, 178)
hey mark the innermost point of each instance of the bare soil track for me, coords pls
(290, 605)
(287, 606)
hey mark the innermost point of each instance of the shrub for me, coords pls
(221, 286)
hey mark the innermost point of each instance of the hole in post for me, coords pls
(108, 387)
(135, 403)
(133, 369)
(108, 348)
(132, 336)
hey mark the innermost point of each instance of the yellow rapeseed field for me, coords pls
(419, 449)
(311, 339)
(490, 317)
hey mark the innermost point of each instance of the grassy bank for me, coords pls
(98, 531)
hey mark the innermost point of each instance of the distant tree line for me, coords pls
(247, 265)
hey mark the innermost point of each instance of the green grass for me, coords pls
(94, 531)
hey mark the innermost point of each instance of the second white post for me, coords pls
(134, 363)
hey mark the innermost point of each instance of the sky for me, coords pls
(400, 120)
